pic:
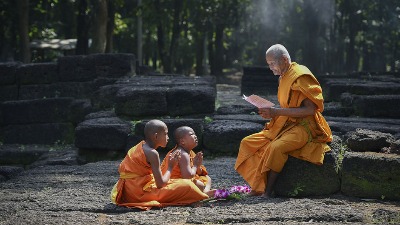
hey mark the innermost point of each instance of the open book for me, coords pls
(258, 101)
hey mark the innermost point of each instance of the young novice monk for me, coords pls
(141, 183)
(190, 164)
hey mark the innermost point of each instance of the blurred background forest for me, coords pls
(206, 36)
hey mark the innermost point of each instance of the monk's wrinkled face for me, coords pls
(276, 64)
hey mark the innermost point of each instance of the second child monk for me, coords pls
(190, 165)
(141, 183)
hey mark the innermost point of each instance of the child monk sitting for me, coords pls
(190, 164)
(142, 184)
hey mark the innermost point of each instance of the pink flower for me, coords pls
(240, 189)
(234, 192)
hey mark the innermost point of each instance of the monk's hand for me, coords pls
(198, 159)
(174, 158)
(267, 113)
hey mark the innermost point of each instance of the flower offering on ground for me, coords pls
(235, 192)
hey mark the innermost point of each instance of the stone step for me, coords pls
(333, 88)
(371, 175)
(37, 111)
(39, 133)
(8, 73)
(139, 97)
(342, 125)
(104, 133)
(15, 158)
(37, 73)
(56, 90)
(16, 154)
(223, 137)
(382, 106)
(41, 121)
(87, 68)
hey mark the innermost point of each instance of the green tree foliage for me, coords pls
(207, 36)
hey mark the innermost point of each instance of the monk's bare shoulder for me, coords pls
(151, 154)
(185, 157)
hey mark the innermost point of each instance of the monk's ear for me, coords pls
(285, 59)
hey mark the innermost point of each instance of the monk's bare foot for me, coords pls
(211, 193)
(255, 193)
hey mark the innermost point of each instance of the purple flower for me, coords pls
(221, 193)
(233, 191)
(240, 189)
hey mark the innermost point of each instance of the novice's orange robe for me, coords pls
(136, 186)
(176, 171)
(303, 138)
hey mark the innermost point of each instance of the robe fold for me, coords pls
(176, 171)
(136, 187)
(303, 138)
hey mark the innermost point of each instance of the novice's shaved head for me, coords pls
(180, 132)
(154, 126)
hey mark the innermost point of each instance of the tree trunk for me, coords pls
(219, 49)
(366, 58)
(160, 38)
(139, 35)
(99, 36)
(393, 62)
(311, 49)
(23, 30)
(199, 53)
(340, 46)
(66, 19)
(82, 44)
(350, 51)
(110, 26)
(211, 52)
(176, 29)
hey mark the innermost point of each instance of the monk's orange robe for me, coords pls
(303, 138)
(136, 187)
(176, 171)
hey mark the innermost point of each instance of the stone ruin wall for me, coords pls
(44, 103)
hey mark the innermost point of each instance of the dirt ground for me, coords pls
(79, 194)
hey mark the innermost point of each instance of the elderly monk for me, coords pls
(141, 183)
(297, 128)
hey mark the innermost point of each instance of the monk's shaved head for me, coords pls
(154, 126)
(180, 132)
(277, 51)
